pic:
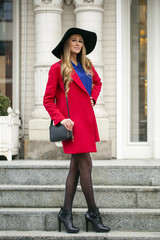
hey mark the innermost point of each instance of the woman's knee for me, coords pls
(73, 164)
(84, 161)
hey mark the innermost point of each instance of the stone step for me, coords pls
(112, 235)
(40, 219)
(106, 196)
(105, 172)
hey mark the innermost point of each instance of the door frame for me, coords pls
(125, 148)
(16, 55)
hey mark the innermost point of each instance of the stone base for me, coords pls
(45, 150)
(103, 128)
(39, 129)
(39, 147)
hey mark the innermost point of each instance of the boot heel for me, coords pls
(59, 225)
(86, 225)
(94, 218)
(65, 217)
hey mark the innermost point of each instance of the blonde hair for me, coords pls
(67, 68)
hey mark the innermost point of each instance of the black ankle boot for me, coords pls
(94, 217)
(65, 216)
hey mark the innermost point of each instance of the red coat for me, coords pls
(81, 112)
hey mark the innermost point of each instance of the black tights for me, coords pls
(80, 166)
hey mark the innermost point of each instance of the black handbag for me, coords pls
(59, 132)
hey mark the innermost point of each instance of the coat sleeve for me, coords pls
(49, 99)
(97, 84)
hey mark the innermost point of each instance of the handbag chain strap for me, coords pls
(66, 96)
(66, 100)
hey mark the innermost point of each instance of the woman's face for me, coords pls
(75, 43)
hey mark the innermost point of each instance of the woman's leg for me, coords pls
(71, 184)
(84, 164)
(65, 214)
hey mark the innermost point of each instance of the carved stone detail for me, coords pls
(40, 113)
(79, 3)
(68, 1)
(48, 3)
(41, 76)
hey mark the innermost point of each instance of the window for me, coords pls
(6, 45)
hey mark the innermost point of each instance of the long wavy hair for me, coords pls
(67, 68)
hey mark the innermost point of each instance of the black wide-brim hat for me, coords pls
(89, 38)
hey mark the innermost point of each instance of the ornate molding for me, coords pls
(48, 3)
(41, 76)
(68, 2)
(96, 3)
(40, 113)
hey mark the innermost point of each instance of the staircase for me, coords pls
(127, 193)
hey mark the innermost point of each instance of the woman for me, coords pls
(82, 87)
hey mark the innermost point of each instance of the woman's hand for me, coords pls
(92, 102)
(68, 123)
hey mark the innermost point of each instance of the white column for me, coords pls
(89, 16)
(47, 34)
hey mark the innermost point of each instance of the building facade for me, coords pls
(126, 57)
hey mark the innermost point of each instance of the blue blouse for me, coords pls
(86, 80)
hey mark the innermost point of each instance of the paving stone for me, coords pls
(46, 219)
(127, 192)
(109, 172)
(43, 235)
(106, 196)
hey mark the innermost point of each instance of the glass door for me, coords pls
(138, 37)
(134, 79)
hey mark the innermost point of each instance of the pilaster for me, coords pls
(89, 15)
(47, 34)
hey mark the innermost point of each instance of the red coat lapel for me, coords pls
(78, 81)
